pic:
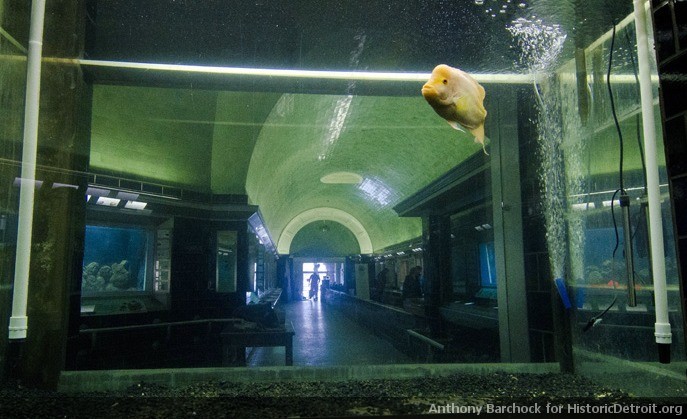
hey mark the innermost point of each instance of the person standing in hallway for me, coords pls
(380, 285)
(411, 285)
(314, 283)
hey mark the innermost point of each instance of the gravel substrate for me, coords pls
(314, 399)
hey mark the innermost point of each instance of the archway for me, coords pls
(324, 213)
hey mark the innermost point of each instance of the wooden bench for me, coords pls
(235, 341)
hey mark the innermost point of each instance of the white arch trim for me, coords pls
(329, 214)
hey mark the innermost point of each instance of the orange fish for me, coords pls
(457, 98)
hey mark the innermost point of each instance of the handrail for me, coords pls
(425, 339)
(155, 325)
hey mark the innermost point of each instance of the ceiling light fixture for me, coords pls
(135, 205)
(342, 178)
(108, 202)
(57, 185)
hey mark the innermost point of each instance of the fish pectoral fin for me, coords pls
(461, 104)
(456, 126)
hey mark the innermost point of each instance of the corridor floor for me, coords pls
(325, 337)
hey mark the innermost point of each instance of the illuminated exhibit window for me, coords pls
(487, 265)
(473, 258)
(115, 259)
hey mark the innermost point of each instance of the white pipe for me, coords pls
(662, 325)
(18, 326)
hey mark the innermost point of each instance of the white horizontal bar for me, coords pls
(295, 73)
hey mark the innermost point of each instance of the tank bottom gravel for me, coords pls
(458, 393)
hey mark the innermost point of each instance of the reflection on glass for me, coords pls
(226, 261)
(487, 265)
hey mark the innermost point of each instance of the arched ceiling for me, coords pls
(342, 218)
(292, 154)
(396, 145)
(324, 239)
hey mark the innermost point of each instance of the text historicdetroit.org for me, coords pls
(536, 408)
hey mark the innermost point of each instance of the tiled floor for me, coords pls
(325, 337)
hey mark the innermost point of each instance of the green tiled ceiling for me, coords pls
(276, 147)
(396, 144)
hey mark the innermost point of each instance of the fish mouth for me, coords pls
(429, 90)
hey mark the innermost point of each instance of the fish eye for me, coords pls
(444, 81)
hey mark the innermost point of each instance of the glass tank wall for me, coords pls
(601, 140)
(314, 115)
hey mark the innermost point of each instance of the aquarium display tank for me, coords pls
(114, 259)
(526, 154)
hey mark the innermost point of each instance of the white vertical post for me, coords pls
(662, 326)
(19, 321)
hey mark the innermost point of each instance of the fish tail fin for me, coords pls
(479, 137)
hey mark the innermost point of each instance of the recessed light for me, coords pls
(57, 185)
(136, 205)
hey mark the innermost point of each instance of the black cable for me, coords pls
(615, 115)
(615, 225)
(597, 319)
(640, 144)
(641, 152)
